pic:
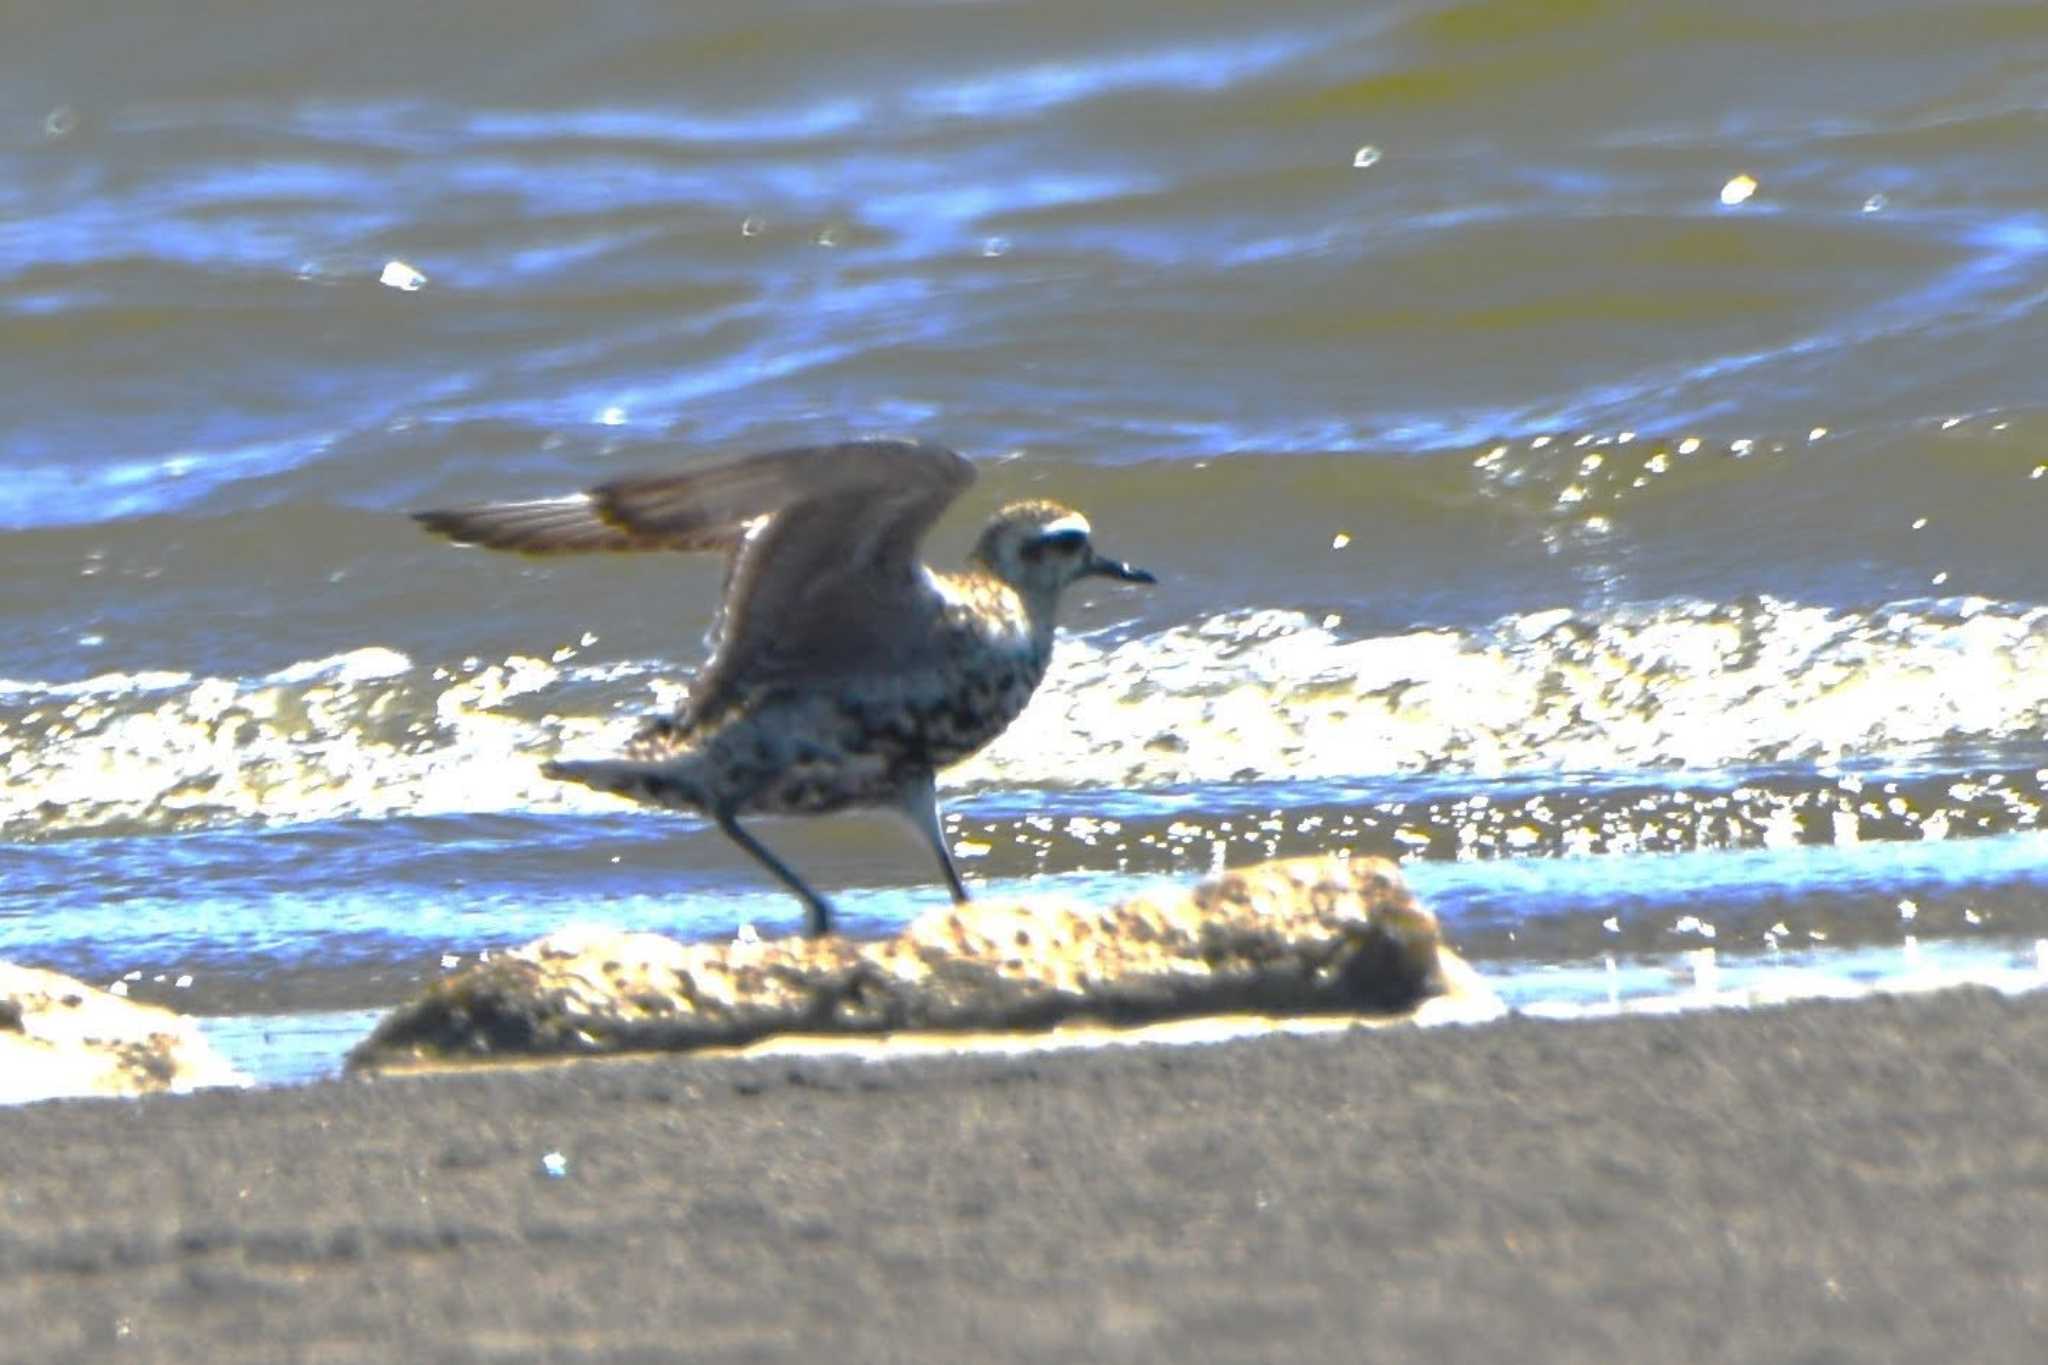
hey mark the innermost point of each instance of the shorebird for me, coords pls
(844, 671)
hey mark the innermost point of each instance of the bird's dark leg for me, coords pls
(817, 910)
(920, 803)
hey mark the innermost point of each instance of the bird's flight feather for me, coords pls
(819, 536)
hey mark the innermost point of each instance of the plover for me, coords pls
(844, 671)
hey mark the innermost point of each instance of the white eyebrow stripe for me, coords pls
(1073, 521)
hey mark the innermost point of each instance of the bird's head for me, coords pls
(1039, 548)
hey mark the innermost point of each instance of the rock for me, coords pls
(1307, 935)
(61, 1037)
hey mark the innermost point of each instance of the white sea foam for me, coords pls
(1265, 696)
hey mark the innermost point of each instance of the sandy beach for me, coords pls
(1820, 1182)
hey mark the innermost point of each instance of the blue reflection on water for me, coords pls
(1040, 86)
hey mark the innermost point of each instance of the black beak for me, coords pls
(1098, 567)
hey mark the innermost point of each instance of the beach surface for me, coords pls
(1820, 1182)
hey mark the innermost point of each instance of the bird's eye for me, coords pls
(1066, 541)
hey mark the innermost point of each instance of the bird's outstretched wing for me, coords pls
(703, 508)
(576, 524)
(823, 543)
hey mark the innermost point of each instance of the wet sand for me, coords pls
(1823, 1182)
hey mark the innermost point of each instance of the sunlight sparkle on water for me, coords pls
(400, 276)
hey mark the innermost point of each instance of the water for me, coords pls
(1656, 569)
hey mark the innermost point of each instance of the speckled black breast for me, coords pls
(943, 726)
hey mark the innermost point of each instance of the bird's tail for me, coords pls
(657, 783)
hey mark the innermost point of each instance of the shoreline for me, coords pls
(1856, 1180)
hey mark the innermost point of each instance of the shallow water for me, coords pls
(1655, 568)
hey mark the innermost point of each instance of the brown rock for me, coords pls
(1307, 935)
(59, 1037)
